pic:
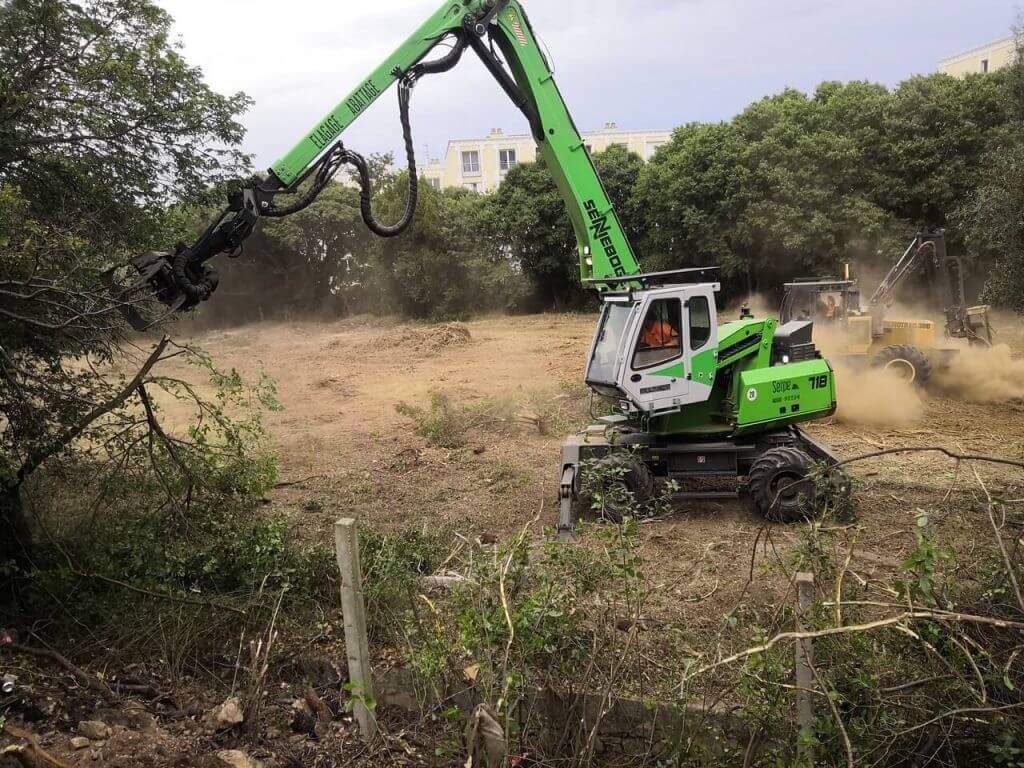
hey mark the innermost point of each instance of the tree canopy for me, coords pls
(799, 184)
(796, 184)
(103, 125)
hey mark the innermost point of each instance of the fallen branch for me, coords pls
(1007, 563)
(855, 628)
(929, 449)
(88, 680)
(955, 712)
(323, 713)
(847, 745)
(159, 595)
(290, 483)
(30, 754)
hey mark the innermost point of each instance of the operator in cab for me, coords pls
(658, 333)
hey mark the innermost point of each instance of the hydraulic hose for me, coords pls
(196, 289)
(338, 155)
(365, 205)
(198, 281)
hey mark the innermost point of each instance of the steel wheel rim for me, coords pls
(903, 368)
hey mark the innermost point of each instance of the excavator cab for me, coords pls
(654, 351)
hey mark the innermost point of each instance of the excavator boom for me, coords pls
(604, 249)
(500, 34)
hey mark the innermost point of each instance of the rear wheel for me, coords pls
(624, 484)
(781, 486)
(909, 363)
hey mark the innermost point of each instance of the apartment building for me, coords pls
(481, 164)
(984, 58)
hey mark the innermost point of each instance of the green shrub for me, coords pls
(446, 425)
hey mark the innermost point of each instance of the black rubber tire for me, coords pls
(637, 478)
(780, 485)
(906, 358)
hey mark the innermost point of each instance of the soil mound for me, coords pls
(430, 339)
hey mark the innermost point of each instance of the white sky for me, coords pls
(645, 64)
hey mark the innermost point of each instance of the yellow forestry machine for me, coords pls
(910, 347)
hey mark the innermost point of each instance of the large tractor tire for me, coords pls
(909, 363)
(781, 486)
(628, 484)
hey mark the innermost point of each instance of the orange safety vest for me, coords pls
(660, 334)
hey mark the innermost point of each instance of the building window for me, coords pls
(507, 159)
(590, 148)
(470, 162)
(473, 186)
(435, 183)
(984, 65)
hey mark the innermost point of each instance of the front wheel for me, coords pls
(781, 486)
(622, 485)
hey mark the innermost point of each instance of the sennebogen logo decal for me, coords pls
(601, 232)
(516, 29)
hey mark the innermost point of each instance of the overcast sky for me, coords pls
(646, 64)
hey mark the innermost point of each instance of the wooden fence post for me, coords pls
(353, 609)
(804, 662)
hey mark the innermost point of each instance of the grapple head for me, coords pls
(146, 290)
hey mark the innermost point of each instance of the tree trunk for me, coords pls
(15, 541)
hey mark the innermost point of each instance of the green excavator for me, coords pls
(690, 400)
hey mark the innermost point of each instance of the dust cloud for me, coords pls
(876, 397)
(984, 375)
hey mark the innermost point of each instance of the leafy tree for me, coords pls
(993, 216)
(324, 248)
(619, 170)
(994, 223)
(102, 123)
(443, 266)
(778, 190)
(799, 184)
(687, 198)
(936, 134)
(530, 219)
(805, 206)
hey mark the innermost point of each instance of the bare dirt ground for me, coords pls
(339, 432)
(350, 453)
(345, 450)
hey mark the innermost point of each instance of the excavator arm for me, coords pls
(944, 273)
(500, 34)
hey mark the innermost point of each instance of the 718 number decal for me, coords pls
(819, 382)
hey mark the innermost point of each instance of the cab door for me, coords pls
(700, 317)
(655, 374)
(673, 359)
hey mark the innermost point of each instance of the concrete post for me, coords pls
(353, 609)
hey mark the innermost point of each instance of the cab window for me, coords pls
(660, 338)
(700, 321)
